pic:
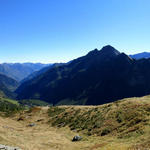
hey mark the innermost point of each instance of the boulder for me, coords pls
(76, 138)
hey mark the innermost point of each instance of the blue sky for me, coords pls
(60, 30)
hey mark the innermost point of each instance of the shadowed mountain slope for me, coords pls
(7, 86)
(41, 71)
(99, 77)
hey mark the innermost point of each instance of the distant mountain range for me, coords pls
(99, 77)
(141, 55)
(41, 71)
(12, 73)
(19, 71)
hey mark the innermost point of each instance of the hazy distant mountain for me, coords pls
(141, 55)
(7, 86)
(99, 77)
(41, 71)
(19, 71)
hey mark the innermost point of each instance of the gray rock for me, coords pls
(76, 138)
(32, 125)
(4, 147)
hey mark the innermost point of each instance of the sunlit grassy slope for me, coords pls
(9, 100)
(9, 107)
(121, 125)
(124, 124)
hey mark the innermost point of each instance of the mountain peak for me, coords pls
(109, 50)
(93, 52)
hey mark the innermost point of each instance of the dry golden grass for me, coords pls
(39, 137)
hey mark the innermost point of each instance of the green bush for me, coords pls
(9, 109)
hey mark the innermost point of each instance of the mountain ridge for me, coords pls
(141, 55)
(101, 76)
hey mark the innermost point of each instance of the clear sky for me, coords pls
(60, 30)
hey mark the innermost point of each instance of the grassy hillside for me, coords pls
(122, 125)
(33, 102)
(9, 107)
(125, 123)
(9, 100)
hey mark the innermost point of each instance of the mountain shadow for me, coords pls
(99, 77)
